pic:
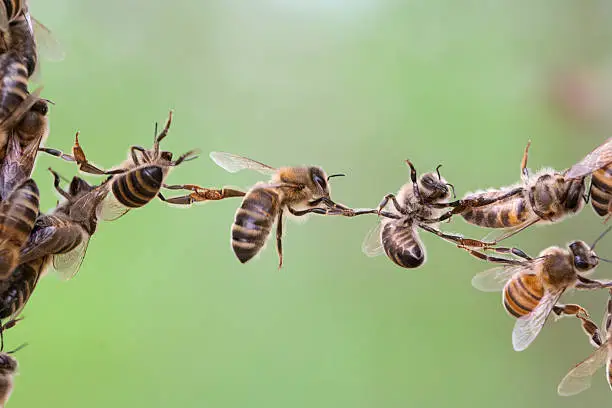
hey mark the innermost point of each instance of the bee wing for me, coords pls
(372, 243)
(579, 377)
(68, 264)
(88, 205)
(4, 21)
(598, 158)
(110, 209)
(528, 327)
(50, 48)
(234, 163)
(494, 279)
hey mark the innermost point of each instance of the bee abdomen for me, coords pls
(508, 213)
(601, 190)
(13, 83)
(522, 294)
(16, 290)
(402, 245)
(253, 222)
(138, 186)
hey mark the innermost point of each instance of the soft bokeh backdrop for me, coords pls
(162, 314)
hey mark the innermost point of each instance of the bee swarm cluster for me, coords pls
(32, 242)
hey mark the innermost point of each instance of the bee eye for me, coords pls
(580, 263)
(320, 181)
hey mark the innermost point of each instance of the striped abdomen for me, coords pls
(253, 222)
(17, 218)
(601, 190)
(402, 245)
(503, 214)
(17, 288)
(138, 186)
(13, 83)
(522, 294)
(21, 41)
(12, 8)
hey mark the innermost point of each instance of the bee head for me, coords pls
(584, 257)
(433, 187)
(8, 363)
(78, 187)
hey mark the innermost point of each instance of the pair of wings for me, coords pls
(527, 327)
(48, 240)
(597, 159)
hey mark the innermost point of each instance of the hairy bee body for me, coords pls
(8, 368)
(601, 191)
(138, 186)
(20, 39)
(253, 221)
(17, 217)
(13, 83)
(522, 294)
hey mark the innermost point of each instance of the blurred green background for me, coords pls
(162, 314)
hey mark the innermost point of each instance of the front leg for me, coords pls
(200, 194)
(590, 328)
(415, 184)
(524, 169)
(396, 204)
(586, 283)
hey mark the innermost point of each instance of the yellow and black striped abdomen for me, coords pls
(253, 222)
(522, 294)
(13, 83)
(510, 212)
(402, 245)
(17, 219)
(17, 288)
(138, 186)
(601, 190)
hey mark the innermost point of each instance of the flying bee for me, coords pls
(531, 287)
(545, 197)
(139, 180)
(22, 33)
(397, 233)
(299, 190)
(579, 378)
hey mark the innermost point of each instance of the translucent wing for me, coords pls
(579, 377)
(372, 243)
(494, 279)
(234, 163)
(110, 209)
(68, 264)
(598, 158)
(4, 21)
(49, 46)
(87, 206)
(528, 327)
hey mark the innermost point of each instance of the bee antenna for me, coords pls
(155, 133)
(18, 348)
(605, 260)
(335, 175)
(452, 188)
(603, 234)
(438, 171)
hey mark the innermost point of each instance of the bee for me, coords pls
(601, 192)
(298, 190)
(8, 370)
(545, 197)
(17, 217)
(532, 287)
(397, 233)
(21, 33)
(140, 179)
(579, 378)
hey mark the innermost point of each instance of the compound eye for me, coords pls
(580, 263)
(320, 181)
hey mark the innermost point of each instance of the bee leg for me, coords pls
(463, 242)
(279, 238)
(315, 210)
(162, 134)
(397, 205)
(56, 183)
(586, 283)
(56, 153)
(81, 159)
(190, 155)
(524, 169)
(6, 326)
(205, 194)
(415, 185)
(588, 326)
(493, 259)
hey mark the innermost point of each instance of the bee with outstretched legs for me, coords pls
(545, 197)
(140, 179)
(397, 233)
(531, 287)
(579, 378)
(297, 190)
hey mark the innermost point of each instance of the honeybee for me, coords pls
(531, 287)
(397, 233)
(601, 192)
(299, 190)
(17, 216)
(545, 197)
(139, 180)
(579, 378)
(21, 33)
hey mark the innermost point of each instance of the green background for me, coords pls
(162, 314)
